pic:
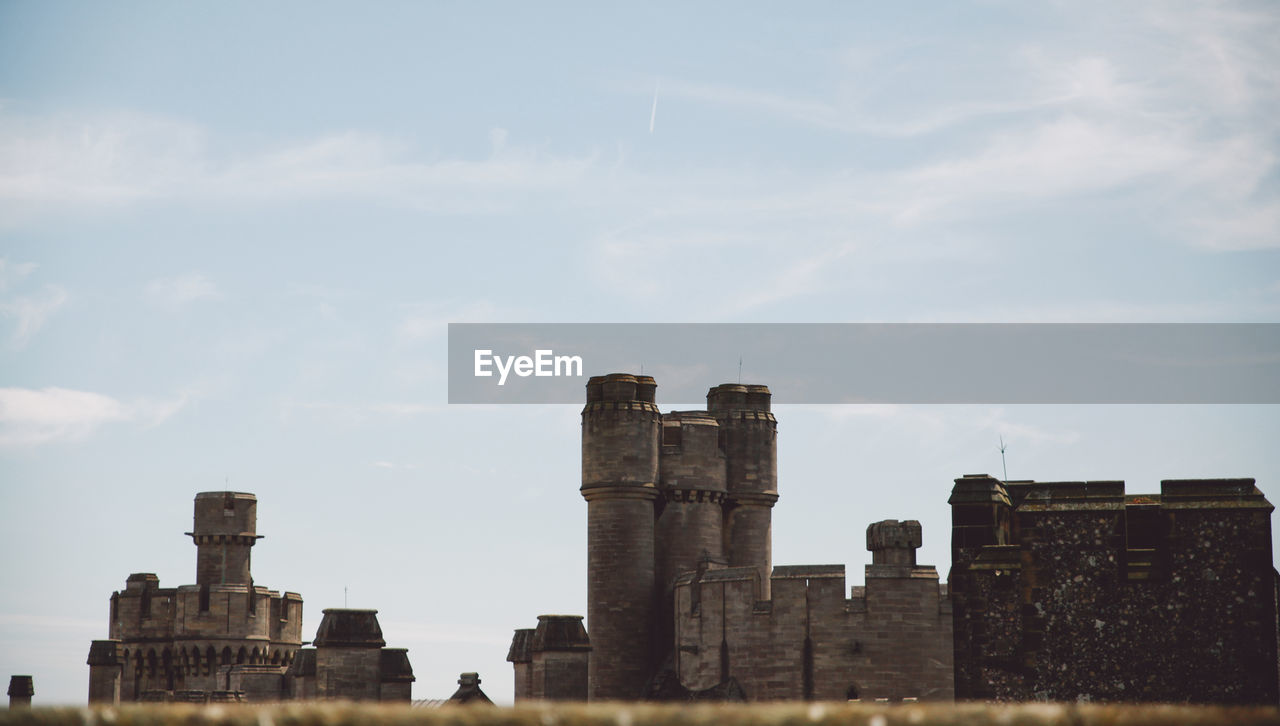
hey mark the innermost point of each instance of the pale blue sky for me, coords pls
(232, 235)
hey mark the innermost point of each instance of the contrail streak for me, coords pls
(653, 115)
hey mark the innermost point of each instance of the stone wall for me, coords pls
(890, 640)
(1099, 595)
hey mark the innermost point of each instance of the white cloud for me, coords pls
(174, 291)
(30, 417)
(31, 312)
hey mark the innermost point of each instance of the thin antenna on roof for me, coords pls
(1002, 464)
(739, 369)
(344, 596)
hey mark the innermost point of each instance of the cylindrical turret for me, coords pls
(620, 429)
(750, 443)
(224, 533)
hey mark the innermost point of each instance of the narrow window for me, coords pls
(204, 598)
(808, 669)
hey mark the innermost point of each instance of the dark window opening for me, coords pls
(1143, 530)
(145, 606)
(672, 435)
(808, 669)
(204, 598)
(852, 693)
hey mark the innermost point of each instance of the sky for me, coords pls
(232, 235)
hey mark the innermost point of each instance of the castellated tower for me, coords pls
(224, 533)
(690, 515)
(227, 639)
(750, 442)
(620, 444)
(683, 600)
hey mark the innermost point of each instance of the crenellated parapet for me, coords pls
(812, 638)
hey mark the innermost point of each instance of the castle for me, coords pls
(227, 639)
(1062, 591)
(682, 595)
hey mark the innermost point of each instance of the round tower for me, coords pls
(750, 443)
(620, 430)
(225, 531)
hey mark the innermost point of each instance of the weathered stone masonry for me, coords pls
(682, 596)
(1075, 590)
(227, 639)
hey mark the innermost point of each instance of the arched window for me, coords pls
(852, 693)
(226, 655)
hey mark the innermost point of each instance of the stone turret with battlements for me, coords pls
(620, 448)
(222, 639)
(682, 596)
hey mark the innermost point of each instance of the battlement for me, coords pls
(620, 388)
(728, 397)
(807, 572)
(888, 639)
(226, 635)
(225, 513)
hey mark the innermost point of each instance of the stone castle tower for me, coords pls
(682, 595)
(227, 639)
(188, 638)
(666, 493)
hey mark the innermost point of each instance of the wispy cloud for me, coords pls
(29, 313)
(30, 417)
(180, 290)
(49, 163)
